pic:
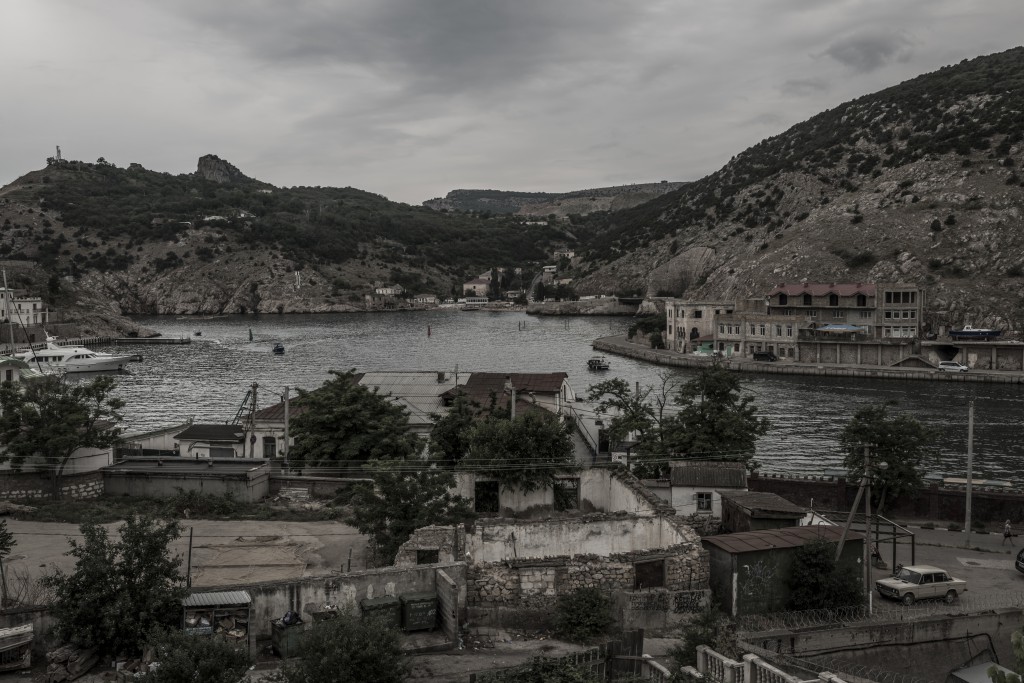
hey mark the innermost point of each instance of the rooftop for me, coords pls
(178, 465)
(823, 288)
(710, 474)
(761, 504)
(769, 539)
(212, 432)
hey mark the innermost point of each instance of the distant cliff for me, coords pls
(546, 203)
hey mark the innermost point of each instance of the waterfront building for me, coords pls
(476, 287)
(692, 323)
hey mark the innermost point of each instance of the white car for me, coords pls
(919, 582)
(952, 366)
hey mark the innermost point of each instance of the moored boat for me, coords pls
(279, 349)
(969, 333)
(56, 358)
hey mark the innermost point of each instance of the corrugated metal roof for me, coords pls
(791, 537)
(767, 503)
(217, 598)
(212, 432)
(710, 474)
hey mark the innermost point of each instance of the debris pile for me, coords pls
(68, 663)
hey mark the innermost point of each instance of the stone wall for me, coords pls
(448, 541)
(321, 487)
(26, 485)
(537, 583)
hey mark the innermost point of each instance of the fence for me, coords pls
(622, 658)
(712, 666)
(823, 665)
(882, 612)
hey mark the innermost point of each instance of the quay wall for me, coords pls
(828, 365)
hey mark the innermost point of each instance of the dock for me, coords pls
(152, 340)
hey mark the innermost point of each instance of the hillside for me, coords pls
(917, 183)
(216, 241)
(546, 204)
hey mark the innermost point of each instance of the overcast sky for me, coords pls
(413, 98)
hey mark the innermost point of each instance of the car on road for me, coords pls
(765, 356)
(952, 366)
(921, 582)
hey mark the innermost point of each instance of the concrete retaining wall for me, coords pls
(26, 485)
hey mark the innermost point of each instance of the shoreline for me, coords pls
(619, 345)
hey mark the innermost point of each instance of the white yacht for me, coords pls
(56, 358)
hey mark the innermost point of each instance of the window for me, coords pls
(698, 314)
(9, 375)
(783, 300)
(862, 300)
(735, 347)
(789, 330)
(807, 300)
(752, 328)
(485, 496)
(567, 494)
(427, 556)
(812, 313)
(269, 447)
(837, 314)
(649, 574)
(833, 299)
(762, 329)
(865, 315)
(721, 328)
(778, 330)
(703, 501)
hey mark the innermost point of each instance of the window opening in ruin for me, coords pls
(649, 574)
(567, 494)
(485, 494)
(427, 556)
(704, 501)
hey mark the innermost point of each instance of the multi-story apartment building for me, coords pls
(751, 328)
(690, 323)
(881, 310)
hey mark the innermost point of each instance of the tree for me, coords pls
(715, 420)
(7, 544)
(817, 581)
(641, 413)
(119, 589)
(1017, 643)
(900, 441)
(343, 422)
(526, 453)
(185, 658)
(345, 649)
(449, 438)
(403, 498)
(583, 614)
(709, 627)
(48, 419)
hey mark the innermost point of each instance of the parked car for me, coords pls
(1019, 564)
(952, 366)
(765, 355)
(921, 582)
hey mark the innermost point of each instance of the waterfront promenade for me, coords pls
(622, 346)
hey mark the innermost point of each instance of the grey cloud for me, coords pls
(800, 87)
(865, 52)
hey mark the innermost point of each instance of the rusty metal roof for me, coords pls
(789, 537)
(212, 432)
(763, 504)
(710, 474)
(217, 599)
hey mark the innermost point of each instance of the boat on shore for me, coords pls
(56, 358)
(969, 333)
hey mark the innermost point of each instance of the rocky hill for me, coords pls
(547, 204)
(917, 183)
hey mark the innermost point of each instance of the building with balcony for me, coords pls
(689, 324)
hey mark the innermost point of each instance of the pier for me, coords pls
(152, 340)
(621, 346)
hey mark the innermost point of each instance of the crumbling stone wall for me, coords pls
(448, 541)
(25, 485)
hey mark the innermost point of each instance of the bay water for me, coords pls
(207, 380)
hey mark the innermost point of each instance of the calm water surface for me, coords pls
(208, 379)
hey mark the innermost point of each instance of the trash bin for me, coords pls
(387, 608)
(419, 611)
(286, 640)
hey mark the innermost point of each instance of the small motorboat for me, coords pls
(199, 333)
(598, 363)
(279, 349)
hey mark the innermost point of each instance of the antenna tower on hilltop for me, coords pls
(58, 157)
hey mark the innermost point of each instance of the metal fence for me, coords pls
(882, 612)
(811, 667)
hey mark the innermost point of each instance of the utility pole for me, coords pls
(853, 508)
(285, 449)
(867, 528)
(970, 467)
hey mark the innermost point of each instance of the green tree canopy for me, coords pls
(641, 412)
(526, 453)
(449, 438)
(185, 658)
(343, 422)
(715, 419)
(121, 588)
(403, 498)
(48, 419)
(817, 581)
(900, 441)
(346, 649)
(1017, 644)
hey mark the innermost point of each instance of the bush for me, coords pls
(583, 614)
(953, 526)
(708, 627)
